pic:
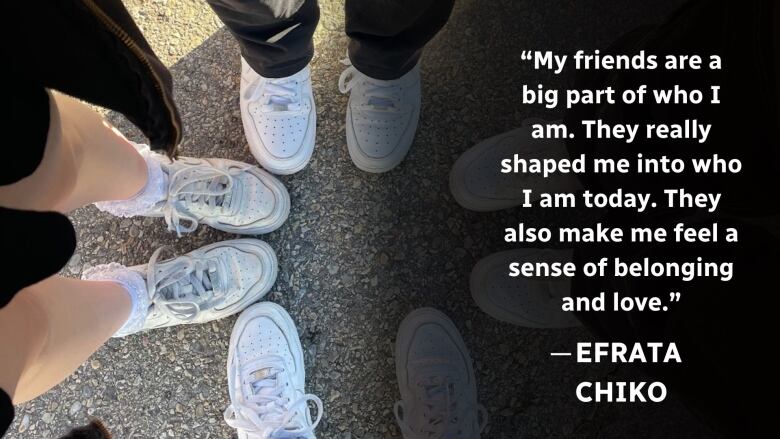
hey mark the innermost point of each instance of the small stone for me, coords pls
(47, 418)
(95, 363)
(74, 408)
(333, 269)
(25, 424)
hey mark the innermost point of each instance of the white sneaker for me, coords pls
(533, 303)
(476, 181)
(436, 380)
(279, 119)
(266, 377)
(209, 283)
(227, 195)
(382, 117)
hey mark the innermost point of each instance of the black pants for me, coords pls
(386, 36)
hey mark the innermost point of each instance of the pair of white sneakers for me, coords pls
(279, 118)
(265, 362)
(477, 184)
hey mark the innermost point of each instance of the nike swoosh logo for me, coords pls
(282, 34)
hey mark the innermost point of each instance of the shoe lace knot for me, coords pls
(202, 189)
(440, 415)
(182, 287)
(267, 407)
(276, 94)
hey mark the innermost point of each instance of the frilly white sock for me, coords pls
(135, 285)
(155, 190)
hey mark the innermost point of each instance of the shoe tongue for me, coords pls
(264, 381)
(277, 104)
(285, 98)
(263, 375)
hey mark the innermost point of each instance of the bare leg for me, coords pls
(86, 160)
(50, 328)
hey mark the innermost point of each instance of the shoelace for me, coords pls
(184, 286)
(195, 185)
(378, 95)
(441, 410)
(275, 94)
(267, 408)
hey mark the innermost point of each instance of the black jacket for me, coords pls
(92, 50)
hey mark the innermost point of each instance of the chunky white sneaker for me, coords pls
(266, 377)
(529, 302)
(476, 181)
(227, 195)
(279, 119)
(382, 117)
(206, 284)
(209, 283)
(436, 380)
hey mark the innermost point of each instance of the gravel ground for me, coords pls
(359, 251)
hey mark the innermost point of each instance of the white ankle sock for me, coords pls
(156, 190)
(135, 285)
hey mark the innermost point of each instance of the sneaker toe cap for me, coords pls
(282, 137)
(379, 137)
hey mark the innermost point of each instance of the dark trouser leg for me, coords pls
(275, 35)
(387, 36)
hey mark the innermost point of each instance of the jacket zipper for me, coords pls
(141, 56)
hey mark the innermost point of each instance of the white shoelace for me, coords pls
(275, 94)
(441, 412)
(267, 409)
(203, 186)
(377, 95)
(184, 286)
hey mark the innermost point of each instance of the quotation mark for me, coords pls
(527, 55)
(674, 296)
